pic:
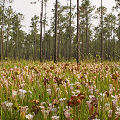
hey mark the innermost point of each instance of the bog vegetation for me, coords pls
(62, 91)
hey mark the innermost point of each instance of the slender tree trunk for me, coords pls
(82, 46)
(119, 35)
(7, 43)
(59, 37)
(78, 39)
(41, 17)
(101, 31)
(66, 55)
(1, 45)
(113, 54)
(2, 32)
(34, 48)
(55, 42)
(87, 41)
(70, 33)
(17, 46)
(45, 47)
(49, 50)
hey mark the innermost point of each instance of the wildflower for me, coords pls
(107, 106)
(35, 101)
(23, 111)
(114, 104)
(110, 113)
(67, 114)
(55, 117)
(118, 109)
(76, 100)
(14, 93)
(62, 99)
(54, 109)
(49, 91)
(42, 103)
(29, 117)
(73, 93)
(42, 107)
(7, 105)
(71, 86)
(111, 91)
(117, 114)
(47, 112)
(22, 93)
(110, 86)
(102, 94)
(50, 107)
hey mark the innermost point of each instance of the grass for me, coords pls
(62, 91)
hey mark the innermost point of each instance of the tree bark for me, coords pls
(101, 32)
(55, 42)
(70, 33)
(2, 31)
(7, 43)
(78, 40)
(45, 47)
(41, 17)
(87, 41)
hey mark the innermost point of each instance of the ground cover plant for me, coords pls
(61, 91)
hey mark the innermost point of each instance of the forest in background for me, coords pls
(64, 40)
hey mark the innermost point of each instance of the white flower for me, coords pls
(117, 114)
(22, 93)
(29, 117)
(71, 86)
(62, 99)
(67, 114)
(49, 91)
(114, 104)
(7, 105)
(55, 117)
(91, 96)
(54, 109)
(102, 94)
(118, 109)
(73, 93)
(14, 93)
(107, 106)
(77, 91)
(110, 113)
(42, 107)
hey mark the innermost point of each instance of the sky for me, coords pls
(29, 10)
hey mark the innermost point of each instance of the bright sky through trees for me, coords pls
(24, 7)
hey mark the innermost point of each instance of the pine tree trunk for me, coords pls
(70, 33)
(78, 39)
(87, 41)
(45, 47)
(55, 42)
(82, 46)
(34, 48)
(101, 32)
(0, 43)
(41, 17)
(7, 44)
(2, 31)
